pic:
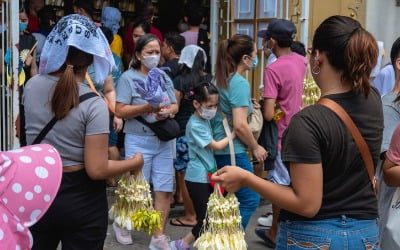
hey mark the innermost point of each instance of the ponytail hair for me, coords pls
(230, 53)
(66, 92)
(203, 90)
(350, 49)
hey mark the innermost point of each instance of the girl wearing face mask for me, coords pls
(201, 158)
(26, 43)
(235, 56)
(192, 62)
(140, 138)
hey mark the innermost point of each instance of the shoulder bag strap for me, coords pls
(53, 121)
(229, 135)
(359, 140)
(91, 85)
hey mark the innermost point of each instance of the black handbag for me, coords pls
(165, 130)
(269, 140)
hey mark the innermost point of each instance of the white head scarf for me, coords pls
(188, 54)
(82, 33)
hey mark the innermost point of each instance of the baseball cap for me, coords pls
(281, 30)
(29, 181)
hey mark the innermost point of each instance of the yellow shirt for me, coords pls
(116, 46)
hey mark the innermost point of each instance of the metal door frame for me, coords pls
(9, 92)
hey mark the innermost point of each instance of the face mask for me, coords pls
(255, 63)
(268, 50)
(208, 114)
(151, 61)
(23, 26)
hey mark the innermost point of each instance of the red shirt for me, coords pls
(33, 24)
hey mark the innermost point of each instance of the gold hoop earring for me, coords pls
(316, 70)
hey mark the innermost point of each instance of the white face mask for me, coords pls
(151, 61)
(208, 114)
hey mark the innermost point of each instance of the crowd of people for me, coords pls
(83, 94)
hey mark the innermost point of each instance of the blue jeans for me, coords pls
(249, 200)
(336, 233)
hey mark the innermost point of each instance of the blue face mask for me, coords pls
(255, 63)
(23, 26)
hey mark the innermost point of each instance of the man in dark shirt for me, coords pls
(171, 49)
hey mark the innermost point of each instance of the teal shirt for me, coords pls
(116, 73)
(237, 95)
(201, 157)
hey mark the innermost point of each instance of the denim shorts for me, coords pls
(335, 233)
(158, 163)
(182, 154)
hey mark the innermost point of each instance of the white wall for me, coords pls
(383, 21)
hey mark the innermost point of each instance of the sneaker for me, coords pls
(160, 243)
(179, 245)
(123, 236)
(265, 220)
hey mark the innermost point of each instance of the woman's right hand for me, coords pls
(260, 153)
(137, 163)
(231, 178)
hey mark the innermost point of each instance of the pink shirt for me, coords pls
(283, 81)
(190, 37)
(393, 154)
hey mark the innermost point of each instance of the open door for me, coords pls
(248, 17)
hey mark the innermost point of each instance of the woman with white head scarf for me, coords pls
(191, 72)
(78, 216)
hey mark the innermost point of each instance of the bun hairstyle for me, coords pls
(395, 52)
(202, 91)
(349, 48)
(230, 53)
(66, 92)
(141, 43)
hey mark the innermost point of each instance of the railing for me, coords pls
(9, 34)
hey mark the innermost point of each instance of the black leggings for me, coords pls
(199, 193)
(77, 217)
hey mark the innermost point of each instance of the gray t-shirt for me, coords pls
(391, 115)
(68, 135)
(127, 94)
